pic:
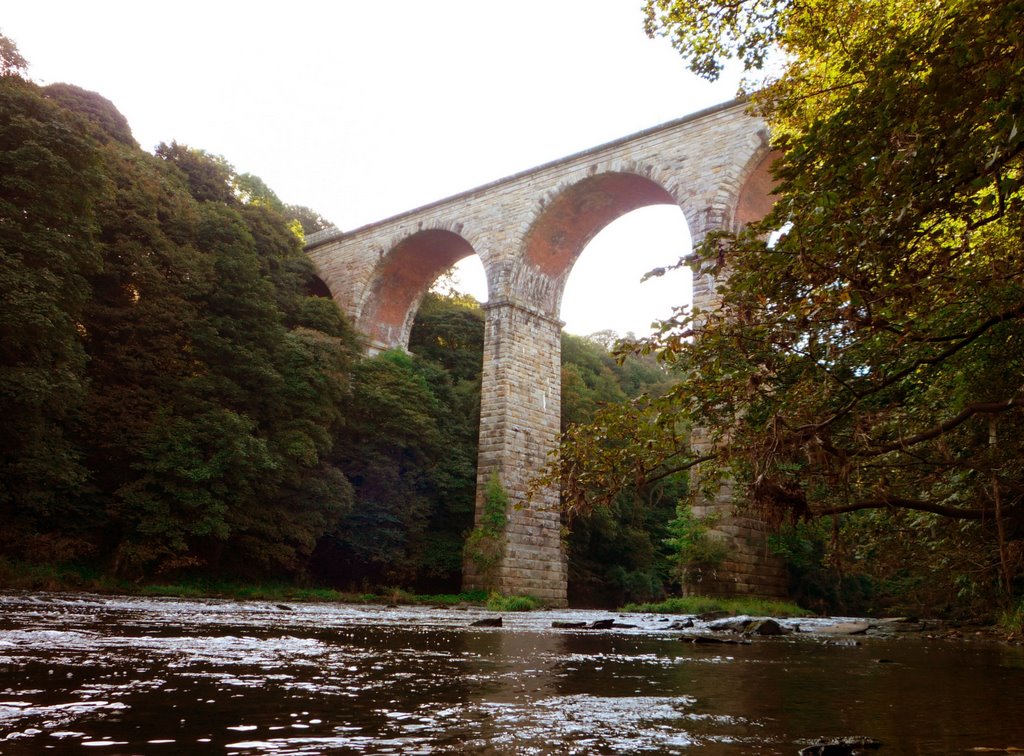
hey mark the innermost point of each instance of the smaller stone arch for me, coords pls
(399, 281)
(317, 287)
(757, 192)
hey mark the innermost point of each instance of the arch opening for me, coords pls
(316, 287)
(401, 279)
(577, 217)
(606, 294)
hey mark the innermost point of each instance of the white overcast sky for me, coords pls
(361, 110)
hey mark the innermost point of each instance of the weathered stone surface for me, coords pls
(766, 627)
(528, 230)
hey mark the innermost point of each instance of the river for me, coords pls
(143, 675)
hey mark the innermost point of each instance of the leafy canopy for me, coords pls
(866, 351)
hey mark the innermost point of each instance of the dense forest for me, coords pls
(177, 402)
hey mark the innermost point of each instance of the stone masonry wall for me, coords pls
(519, 425)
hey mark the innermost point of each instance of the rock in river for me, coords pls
(487, 622)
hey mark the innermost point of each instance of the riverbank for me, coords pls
(73, 578)
(22, 576)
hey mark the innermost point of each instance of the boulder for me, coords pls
(487, 622)
(730, 625)
(766, 627)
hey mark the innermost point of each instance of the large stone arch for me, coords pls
(399, 281)
(568, 222)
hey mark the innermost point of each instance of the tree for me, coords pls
(50, 176)
(866, 356)
(97, 109)
(11, 61)
(170, 392)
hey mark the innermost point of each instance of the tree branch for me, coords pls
(981, 408)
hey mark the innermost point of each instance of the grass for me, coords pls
(1012, 620)
(753, 607)
(496, 602)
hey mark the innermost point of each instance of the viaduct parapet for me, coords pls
(528, 230)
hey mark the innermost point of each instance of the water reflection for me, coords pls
(134, 676)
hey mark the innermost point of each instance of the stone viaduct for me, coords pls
(528, 230)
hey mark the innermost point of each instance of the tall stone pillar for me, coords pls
(520, 412)
(749, 568)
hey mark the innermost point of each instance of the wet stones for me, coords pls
(749, 626)
(681, 624)
(847, 746)
(603, 624)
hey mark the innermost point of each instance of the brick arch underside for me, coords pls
(567, 225)
(757, 196)
(400, 281)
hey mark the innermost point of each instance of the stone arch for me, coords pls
(569, 221)
(756, 196)
(317, 287)
(399, 281)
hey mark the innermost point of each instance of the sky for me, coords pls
(363, 110)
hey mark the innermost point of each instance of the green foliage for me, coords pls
(751, 607)
(97, 109)
(11, 61)
(167, 408)
(708, 33)
(408, 447)
(50, 177)
(617, 552)
(309, 220)
(499, 603)
(866, 352)
(694, 552)
(485, 544)
(1012, 620)
(449, 331)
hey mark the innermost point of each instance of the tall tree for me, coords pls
(866, 356)
(50, 176)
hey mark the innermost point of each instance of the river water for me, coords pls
(130, 675)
